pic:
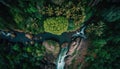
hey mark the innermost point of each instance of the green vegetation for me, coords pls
(17, 57)
(96, 30)
(75, 13)
(58, 16)
(30, 18)
(104, 49)
(51, 42)
(23, 15)
(56, 25)
(111, 14)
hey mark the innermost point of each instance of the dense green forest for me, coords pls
(59, 17)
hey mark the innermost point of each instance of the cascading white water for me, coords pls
(62, 55)
(80, 33)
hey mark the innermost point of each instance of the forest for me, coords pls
(59, 34)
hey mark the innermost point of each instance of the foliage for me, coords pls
(56, 25)
(96, 29)
(17, 57)
(29, 15)
(61, 16)
(111, 14)
(25, 17)
(57, 2)
(103, 52)
(103, 48)
(101, 55)
(70, 10)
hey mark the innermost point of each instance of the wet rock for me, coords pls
(77, 53)
(52, 47)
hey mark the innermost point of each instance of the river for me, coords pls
(61, 58)
(64, 50)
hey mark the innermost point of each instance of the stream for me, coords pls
(20, 37)
(62, 55)
(64, 50)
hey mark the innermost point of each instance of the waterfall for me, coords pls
(5, 34)
(80, 34)
(61, 58)
(63, 52)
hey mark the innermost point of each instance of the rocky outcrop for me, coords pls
(77, 53)
(52, 47)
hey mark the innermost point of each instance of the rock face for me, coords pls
(51, 47)
(76, 50)
(52, 51)
(76, 54)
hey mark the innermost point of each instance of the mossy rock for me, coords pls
(56, 25)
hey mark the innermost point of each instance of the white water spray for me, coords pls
(63, 53)
(61, 58)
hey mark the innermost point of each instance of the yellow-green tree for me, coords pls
(56, 25)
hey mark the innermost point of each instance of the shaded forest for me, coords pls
(33, 32)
